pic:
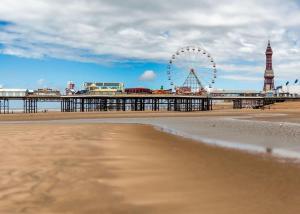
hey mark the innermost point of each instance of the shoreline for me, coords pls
(237, 146)
(211, 141)
(250, 137)
(274, 132)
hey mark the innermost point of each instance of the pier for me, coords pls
(92, 103)
(4, 105)
(124, 102)
(135, 103)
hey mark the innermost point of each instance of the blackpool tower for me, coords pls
(269, 73)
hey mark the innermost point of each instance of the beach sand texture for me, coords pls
(111, 168)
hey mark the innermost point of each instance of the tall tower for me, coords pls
(269, 73)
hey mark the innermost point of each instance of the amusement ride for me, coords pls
(191, 70)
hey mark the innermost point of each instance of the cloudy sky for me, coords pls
(48, 42)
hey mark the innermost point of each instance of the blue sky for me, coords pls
(45, 43)
(17, 72)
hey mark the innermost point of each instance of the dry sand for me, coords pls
(94, 168)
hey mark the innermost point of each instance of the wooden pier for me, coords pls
(4, 105)
(30, 105)
(125, 102)
(91, 103)
(135, 103)
(257, 102)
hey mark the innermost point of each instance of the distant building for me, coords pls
(70, 90)
(138, 91)
(288, 91)
(269, 73)
(103, 88)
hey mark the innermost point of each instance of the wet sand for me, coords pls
(116, 114)
(111, 168)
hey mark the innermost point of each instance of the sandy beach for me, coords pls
(100, 163)
(94, 168)
(149, 107)
(275, 130)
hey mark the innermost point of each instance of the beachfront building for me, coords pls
(288, 91)
(103, 88)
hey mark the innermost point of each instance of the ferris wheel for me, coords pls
(192, 68)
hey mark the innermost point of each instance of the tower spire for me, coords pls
(269, 73)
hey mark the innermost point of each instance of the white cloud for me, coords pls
(148, 75)
(231, 68)
(88, 30)
(41, 82)
(241, 78)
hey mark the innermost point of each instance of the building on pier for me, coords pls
(46, 92)
(183, 90)
(138, 91)
(103, 88)
(162, 91)
(4, 92)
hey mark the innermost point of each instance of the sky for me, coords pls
(45, 43)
